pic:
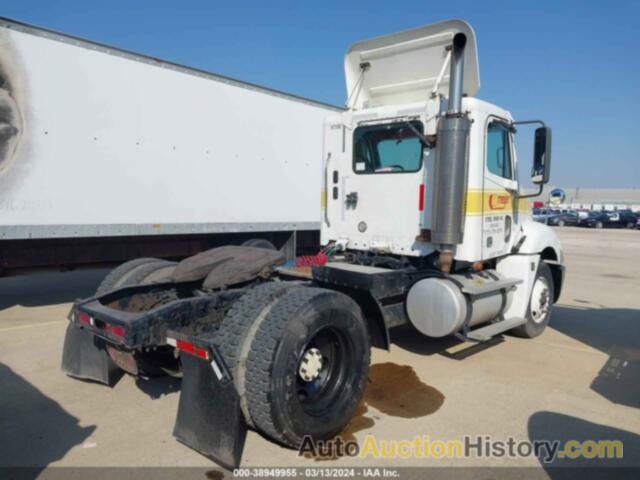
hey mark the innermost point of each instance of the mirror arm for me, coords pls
(525, 122)
(541, 186)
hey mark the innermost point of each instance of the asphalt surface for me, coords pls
(579, 380)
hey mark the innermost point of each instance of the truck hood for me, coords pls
(404, 67)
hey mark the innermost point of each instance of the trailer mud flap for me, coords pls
(85, 356)
(209, 417)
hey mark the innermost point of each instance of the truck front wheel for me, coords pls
(540, 302)
(307, 366)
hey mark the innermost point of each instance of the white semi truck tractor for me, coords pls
(423, 223)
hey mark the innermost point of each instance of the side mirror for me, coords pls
(541, 156)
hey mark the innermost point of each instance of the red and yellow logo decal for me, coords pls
(493, 202)
(499, 201)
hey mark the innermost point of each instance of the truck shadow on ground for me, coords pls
(410, 339)
(157, 387)
(554, 426)
(34, 429)
(614, 331)
(49, 287)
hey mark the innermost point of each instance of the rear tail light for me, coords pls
(117, 331)
(421, 199)
(85, 319)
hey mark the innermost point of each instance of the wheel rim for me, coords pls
(540, 300)
(322, 369)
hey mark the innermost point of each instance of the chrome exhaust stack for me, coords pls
(451, 164)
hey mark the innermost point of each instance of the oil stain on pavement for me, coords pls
(395, 390)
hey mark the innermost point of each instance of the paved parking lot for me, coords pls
(579, 380)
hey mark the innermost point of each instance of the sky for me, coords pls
(576, 65)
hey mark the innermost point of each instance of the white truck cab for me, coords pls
(418, 167)
(379, 184)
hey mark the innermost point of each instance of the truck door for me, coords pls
(499, 190)
(381, 188)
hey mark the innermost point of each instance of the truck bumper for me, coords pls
(101, 341)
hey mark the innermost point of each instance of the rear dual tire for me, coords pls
(300, 358)
(259, 243)
(135, 272)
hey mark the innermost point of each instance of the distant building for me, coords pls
(595, 198)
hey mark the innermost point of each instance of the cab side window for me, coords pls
(499, 150)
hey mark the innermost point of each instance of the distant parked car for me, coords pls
(543, 215)
(564, 219)
(628, 219)
(582, 213)
(604, 219)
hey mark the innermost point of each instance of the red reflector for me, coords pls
(421, 199)
(84, 318)
(117, 331)
(192, 349)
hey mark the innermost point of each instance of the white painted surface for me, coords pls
(108, 140)
(405, 67)
(388, 203)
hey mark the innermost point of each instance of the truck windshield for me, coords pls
(391, 148)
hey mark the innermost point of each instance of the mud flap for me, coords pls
(85, 356)
(209, 417)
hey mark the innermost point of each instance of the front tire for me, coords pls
(599, 224)
(540, 302)
(307, 366)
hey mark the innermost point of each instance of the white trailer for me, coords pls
(99, 142)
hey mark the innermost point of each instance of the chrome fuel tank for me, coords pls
(438, 307)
